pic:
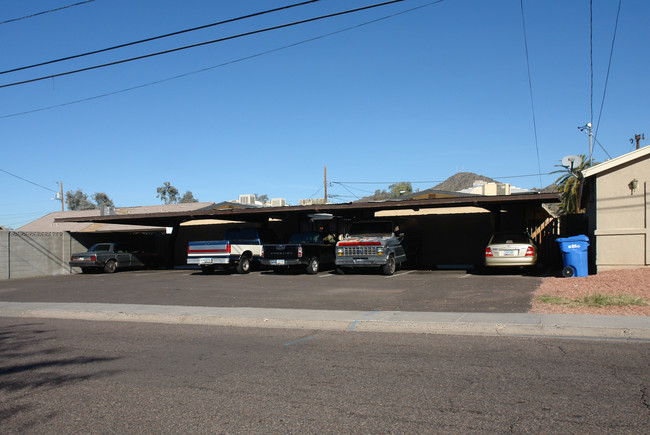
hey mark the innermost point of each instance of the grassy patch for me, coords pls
(595, 300)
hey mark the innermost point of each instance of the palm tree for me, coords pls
(569, 186)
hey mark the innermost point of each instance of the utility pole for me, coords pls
(61, 194)
(591, 142)
(325, 181)
(591, 139)
(637, 138)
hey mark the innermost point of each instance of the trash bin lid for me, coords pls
(579, 238)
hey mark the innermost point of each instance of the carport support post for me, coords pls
(171, 247)
(496, 213)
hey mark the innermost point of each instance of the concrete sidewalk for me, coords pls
(488, 324)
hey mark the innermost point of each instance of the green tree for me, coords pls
(379, 195)
(102, 199)
(188, 197)
(401, 188)
(261, 197)
(78, 201)
(170, 195)
(167, 193)
(569, 185)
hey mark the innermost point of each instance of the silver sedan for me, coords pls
(510, 250)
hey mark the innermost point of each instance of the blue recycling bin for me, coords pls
(574, 255)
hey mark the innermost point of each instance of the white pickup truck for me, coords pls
(240, 250)
(370, 244)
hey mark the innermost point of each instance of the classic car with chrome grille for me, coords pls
(370, 244)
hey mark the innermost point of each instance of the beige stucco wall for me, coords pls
(622, 239)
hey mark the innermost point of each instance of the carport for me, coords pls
(439, 232)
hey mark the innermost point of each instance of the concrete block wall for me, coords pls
(4, 254)
(33, 254)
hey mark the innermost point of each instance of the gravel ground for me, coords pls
(634, 282)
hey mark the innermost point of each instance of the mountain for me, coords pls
(462, 180)
(551, 188)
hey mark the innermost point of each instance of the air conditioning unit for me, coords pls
(247, 199)
(278, 202)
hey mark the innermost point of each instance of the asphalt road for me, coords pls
(437, 291)
(61, 376)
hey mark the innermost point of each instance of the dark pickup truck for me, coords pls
(112, 256)
(308, 250)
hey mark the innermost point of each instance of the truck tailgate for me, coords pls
(211, 249)
(281, 252)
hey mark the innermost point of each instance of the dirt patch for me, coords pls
(634, 282)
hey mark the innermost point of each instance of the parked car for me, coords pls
(110, 257)
(510, 250)
(312, 251)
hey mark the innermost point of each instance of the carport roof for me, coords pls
(347, 210)
(81, 221)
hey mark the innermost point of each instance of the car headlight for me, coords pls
(380, 251)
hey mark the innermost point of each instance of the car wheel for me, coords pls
(313, 266)
(110, 266)
(568, 272)
(340, 271)
(244, 265)
(389, 267)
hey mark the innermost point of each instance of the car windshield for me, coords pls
(371, 229)
(304, 238)
(511, 238)
(100, 247)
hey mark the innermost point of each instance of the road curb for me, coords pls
(485, 324)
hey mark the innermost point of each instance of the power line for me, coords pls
(530, 88)
(522, 176)
(609, 65)
(31, 182)
(351, 192)
(128, 44)
(385, 182)
(591, 70)
(46, 12)
(313, 195)
(601, 145)
(200, 44)
(355, 188)
(295, 44)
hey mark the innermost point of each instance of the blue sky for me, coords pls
(415, 97)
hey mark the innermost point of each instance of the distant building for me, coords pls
(312, 201)
(481, 187)
(278, 202)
